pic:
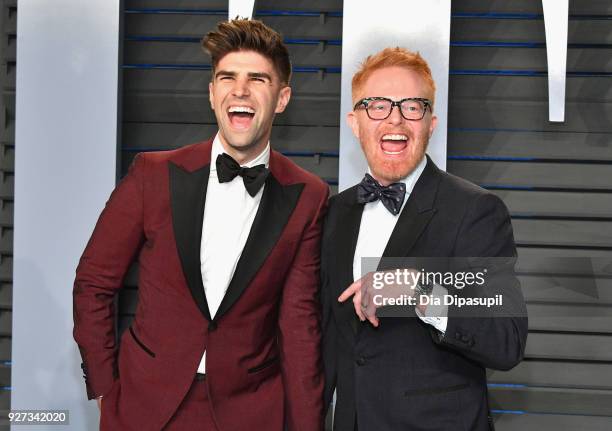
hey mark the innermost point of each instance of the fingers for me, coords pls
(373, 320)
(354, 290)
(357, 304)
(351, 290)
(368, 308)
(364, 307)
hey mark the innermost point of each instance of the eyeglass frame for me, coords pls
(364, 102)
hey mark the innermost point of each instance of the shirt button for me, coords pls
(360, 361)
(212, 326)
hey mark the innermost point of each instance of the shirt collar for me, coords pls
(217, 148)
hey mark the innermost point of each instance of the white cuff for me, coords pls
(436, 315)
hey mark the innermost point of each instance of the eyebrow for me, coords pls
(259, 75)
(224, 73)
(250, 74)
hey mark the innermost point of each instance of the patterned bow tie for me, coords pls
(391, 196)
(253, 178)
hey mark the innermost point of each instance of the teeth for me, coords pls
(392, 153)
(395, 137)
(246, 109)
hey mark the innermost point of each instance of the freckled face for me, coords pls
(393, 147)
(245, 94)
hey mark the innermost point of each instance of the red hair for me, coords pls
(390, 57)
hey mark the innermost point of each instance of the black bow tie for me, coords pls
(253, 178)
(391, 196)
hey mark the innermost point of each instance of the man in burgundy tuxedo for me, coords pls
(227, 236)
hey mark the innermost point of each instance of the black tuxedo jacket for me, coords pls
(404, 375)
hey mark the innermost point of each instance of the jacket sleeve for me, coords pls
(116, 239)
(299, 328)
(496, 336)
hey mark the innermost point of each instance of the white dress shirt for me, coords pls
(229, 212)
(377, 224)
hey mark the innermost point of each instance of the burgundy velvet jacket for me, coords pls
(262, 347)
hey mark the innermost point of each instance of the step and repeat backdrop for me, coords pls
(555, 177)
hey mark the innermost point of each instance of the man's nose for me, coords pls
(241, 88)
(395, 117)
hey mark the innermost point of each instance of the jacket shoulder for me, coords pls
(462, 188)
(463, 196)
(288, 172)
(347, 195)
(177, 155)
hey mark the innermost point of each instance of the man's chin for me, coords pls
(239, 141)
(391, 172)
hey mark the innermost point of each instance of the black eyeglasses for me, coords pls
(379, 108)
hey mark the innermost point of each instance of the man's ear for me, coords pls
(283, 99)
(432, 125)
(211, 96)
(353, 122)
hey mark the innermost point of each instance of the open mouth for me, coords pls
(240, 116)
(393, 144)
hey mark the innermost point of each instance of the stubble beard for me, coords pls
(394, 170)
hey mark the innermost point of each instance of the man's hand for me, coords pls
(365, 308)
(363, 292)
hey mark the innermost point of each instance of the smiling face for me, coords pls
(393, 147)
(245, 94)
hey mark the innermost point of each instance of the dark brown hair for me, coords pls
(248, 35)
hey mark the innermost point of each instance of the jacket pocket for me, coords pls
(268, 363)
(434, 391)
(141, 344)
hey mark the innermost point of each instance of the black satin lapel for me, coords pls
(277, 204)
(407, 230)
(349, 220)
(416, 214)
(187, 198)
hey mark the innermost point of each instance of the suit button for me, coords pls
(458, 335)
(471, 343)
(360, 361)
(212, 326)
(465, 338)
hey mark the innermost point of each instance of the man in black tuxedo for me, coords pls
(425, 371)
